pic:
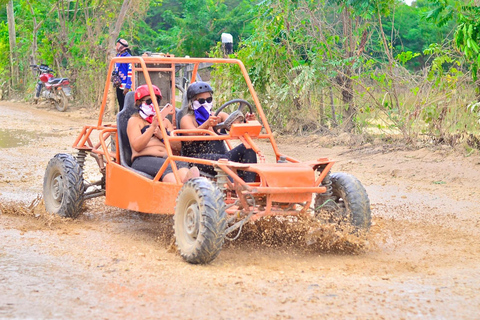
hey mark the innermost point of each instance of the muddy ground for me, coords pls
(419, 261)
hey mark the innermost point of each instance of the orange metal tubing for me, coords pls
(194, 72)
(104, 145)
(84, 130)
(234, 176)
(200, 135)
(196, 61)
(251, 143)
(86, 135)
(324, 173)
(287, 190)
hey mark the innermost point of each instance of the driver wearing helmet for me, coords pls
(146, 139)
(198, 115)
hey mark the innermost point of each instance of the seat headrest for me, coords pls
(122, 122)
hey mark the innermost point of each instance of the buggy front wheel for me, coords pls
(63, 186)
(199, 221)
(348, 202)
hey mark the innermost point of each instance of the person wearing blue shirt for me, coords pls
(124, 70)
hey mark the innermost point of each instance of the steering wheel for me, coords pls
(233, 117)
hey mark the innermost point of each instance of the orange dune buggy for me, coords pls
(206, 210)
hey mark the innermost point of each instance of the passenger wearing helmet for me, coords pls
(146, 139)
(198, 115)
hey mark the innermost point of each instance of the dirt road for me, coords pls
(421, 260)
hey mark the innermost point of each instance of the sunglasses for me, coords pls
(202, 101)
(149, 101)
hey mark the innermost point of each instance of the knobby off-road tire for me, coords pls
(351, 199)
(62, 104)
(63, 186)
(199, 221)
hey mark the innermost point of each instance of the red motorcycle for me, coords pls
(54, 90)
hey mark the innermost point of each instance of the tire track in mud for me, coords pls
(419, 260)
(389, 231)
(408, 259)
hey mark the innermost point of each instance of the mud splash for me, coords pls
(304, 234)
(297, 233)
(34, 213)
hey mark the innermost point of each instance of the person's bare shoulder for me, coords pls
(133, 122)
(187, 122)
(135, 119)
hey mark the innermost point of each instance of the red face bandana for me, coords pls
(147, 112)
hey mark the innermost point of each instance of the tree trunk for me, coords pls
(346, 79)
(389, 53)
(13, 44)
(332, 105)
(477, 83)
(116, 30)
(322, 109)
(111, 51)
(36, 26)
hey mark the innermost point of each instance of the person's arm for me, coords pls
(250, 117)
(175, 145)
(222, 116)
(138, 140)
(187, 122)
(128, 84)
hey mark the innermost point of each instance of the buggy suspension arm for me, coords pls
(239, 224)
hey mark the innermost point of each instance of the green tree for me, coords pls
(467, 33)
(73, 37)
(12, 37)
(301, 47)
(192, 27)
(408, 30)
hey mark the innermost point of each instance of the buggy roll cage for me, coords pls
(245, 132)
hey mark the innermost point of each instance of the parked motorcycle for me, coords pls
(54, 90)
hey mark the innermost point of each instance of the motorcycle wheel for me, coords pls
(62, 103)
(38, 90)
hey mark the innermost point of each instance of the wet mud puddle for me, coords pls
(15, 138)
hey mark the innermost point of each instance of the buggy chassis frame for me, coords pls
(281, 188)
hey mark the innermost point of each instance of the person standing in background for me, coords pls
(124, 70)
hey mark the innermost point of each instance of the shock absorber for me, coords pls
(325, 201)
(327, 183)
(82, 154)
(222, 179)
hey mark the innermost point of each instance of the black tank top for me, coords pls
(145, 128)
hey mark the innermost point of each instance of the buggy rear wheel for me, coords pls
(63, 186)
(62, 103)
(348, 203)
(199, 221)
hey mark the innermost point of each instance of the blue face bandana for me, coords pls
(201, 115)
(202, 112)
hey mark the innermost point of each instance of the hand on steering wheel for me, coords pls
(235, 116)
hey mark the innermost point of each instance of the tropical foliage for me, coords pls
(317, 66)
